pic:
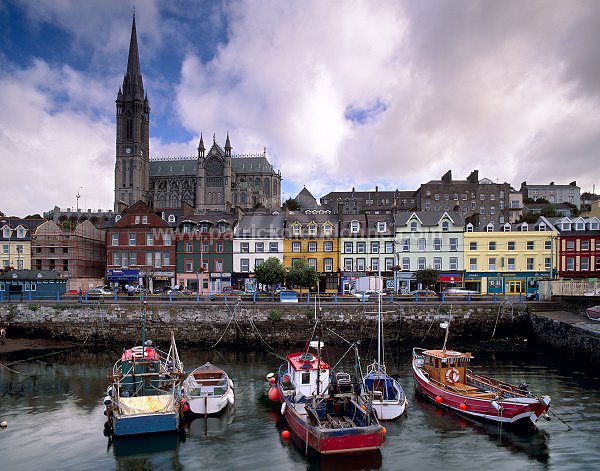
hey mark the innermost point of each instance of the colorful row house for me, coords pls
(510, 258)
(578, 247)
(15, 242)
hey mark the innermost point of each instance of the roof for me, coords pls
(448, 354)
(305, 361)
(185, 166)
(31, 275)
(428, 218)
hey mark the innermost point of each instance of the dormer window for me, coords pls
(20, 232)
(413, 226)
(221, 227)
(381, 226)
(566, 226)
(327, 229)
(117, 217)
(489, 227)
(542, 227)
(6, 232)
(204, 227)
(144, 219)
(524, 227)
(507, 227)
(354, 227)
(296, 229)
(579, 226)
(445, 226)
(469, 227)
(171, 218)
(312, 230)
(593, 225)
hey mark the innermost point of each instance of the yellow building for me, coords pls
(509, 259)
(15, 242)
(312, 236)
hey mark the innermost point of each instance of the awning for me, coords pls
(122, 275)
(450, 277)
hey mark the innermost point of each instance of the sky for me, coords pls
(341, 94)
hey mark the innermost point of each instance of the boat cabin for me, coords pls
(447, 367)
(303, 369)
(140, 367)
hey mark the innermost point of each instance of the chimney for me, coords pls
(447, 178)
(474, 177)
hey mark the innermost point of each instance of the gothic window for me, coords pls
(266, 187)
(234, 199)
(130, 172)
(123, 173)
(274, 187)
(257, 183)
(128, 128)
(243, 199)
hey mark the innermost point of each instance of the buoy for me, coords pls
(283, 408)
(107, 401)
(383, 430)
(274, 394)
(270, 375)
(438, 399)
(285, 434)
(272, 380)
(4, 424)
(462, 406)
(186, 407)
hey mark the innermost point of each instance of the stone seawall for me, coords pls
(257, 325)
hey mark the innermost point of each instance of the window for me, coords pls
(117, 259)
(445, 226)
(570, 244)
(327, 229)
(570, 263)
(203, 226)
(473, 205)
(492, 246)
(354, 227)
(585, 245)
(348, 264)
(273, 247)
(492, 264)
(406, 263)
(413, 226)
(312, 246)
(328, 264)
(171, 218)
(295, 246)
(144, 219)
(360, 264)
(189, 247)
(530, 263)
(244, 265)
(312, 263)
(204, 246)
(259, 247)
(453, 244)
(115, 239)
(361, 247)
(132, 239)
(374, 247)
(312, 230)
(149, 239)
(469, 227)
(219, 246)
(348, 247)
(149, 259)
(511, 245)
(137, 220)
(530, 245)
(437, 263)
(389, 246)
(421, 245)
(473, 245)
(381, 226)
(511, 263)
(473, 264)
(548, 263)
(157, 260)
(585, 263)
(405, 245)
(421, 263)
(219, 265)
(296, 229)
(258, 261)
(548, 245)
(453, 263)
(492, 210)
(305, 377)
(166, 258)
(221, 227)
(167, 239)
(437, 244)
(245, 247)
(189, 265)
(389, 263)
(132, 258)
(328, 246)
(375, 264)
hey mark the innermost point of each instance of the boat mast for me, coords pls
(379, 317)
(317, 316)
(144, 330)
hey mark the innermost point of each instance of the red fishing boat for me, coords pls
(443, 377)
(324, 409)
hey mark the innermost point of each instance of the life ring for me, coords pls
(452, 375)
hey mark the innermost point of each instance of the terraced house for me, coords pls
(257, 237)
(429, 239)
(366, 249)
(313, 236)
(510, 258)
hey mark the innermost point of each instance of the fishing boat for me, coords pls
(207, 390)
(144, 394)
(593, 313)
(387, 396)
(443, 377)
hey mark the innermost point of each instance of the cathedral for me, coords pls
(214, 179)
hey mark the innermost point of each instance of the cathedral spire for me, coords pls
(133, 62)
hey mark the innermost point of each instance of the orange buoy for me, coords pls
(438, 399)
(462, 406)
(285, 434)
(274, 394)
(272, 380)
(383, 430)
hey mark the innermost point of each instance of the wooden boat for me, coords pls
(387, 396)
(593, 313)
(325, 409)
(207, 390)
(443, 377)
(145, 390)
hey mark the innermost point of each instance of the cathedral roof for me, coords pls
(242, 165)
(173, 168)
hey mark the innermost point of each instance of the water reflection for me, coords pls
(152, 451)
(197, 427)
(534, 444)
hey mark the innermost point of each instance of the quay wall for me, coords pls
(256, 325)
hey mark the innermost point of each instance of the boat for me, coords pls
(387, 396)
(593, 313)
(207, 390)
(442, 376)
(144, 394)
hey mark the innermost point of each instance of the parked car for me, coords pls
(423, 292)
(99, 292)
(367, 294)
(232, 292)
(460, 291)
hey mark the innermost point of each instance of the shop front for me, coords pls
(449, 280)
(218, 281)
(119, 278)
(504, 283)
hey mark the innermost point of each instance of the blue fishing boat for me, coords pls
(144, 395)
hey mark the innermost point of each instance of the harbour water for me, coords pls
(53, 406)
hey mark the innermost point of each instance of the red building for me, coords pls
(578, 247)
(140, 248)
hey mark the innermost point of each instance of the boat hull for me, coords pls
(144, 423)
(514, 412)
(209, 405)
(593, 313)
(389, 410)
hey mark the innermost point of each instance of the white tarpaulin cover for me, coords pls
(146, 404)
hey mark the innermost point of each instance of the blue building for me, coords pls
(28, 285)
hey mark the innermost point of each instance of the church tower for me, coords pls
(132, 167)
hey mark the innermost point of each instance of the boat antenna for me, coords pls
(446, 325)
(144, 330)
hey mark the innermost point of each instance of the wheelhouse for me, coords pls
(306, 371)
(445, 366)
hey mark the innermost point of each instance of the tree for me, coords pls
(303, 275)
(291, 204)
(270, 272)
(542, 200)
(427, 278)
(549, 212)
(529, 218)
